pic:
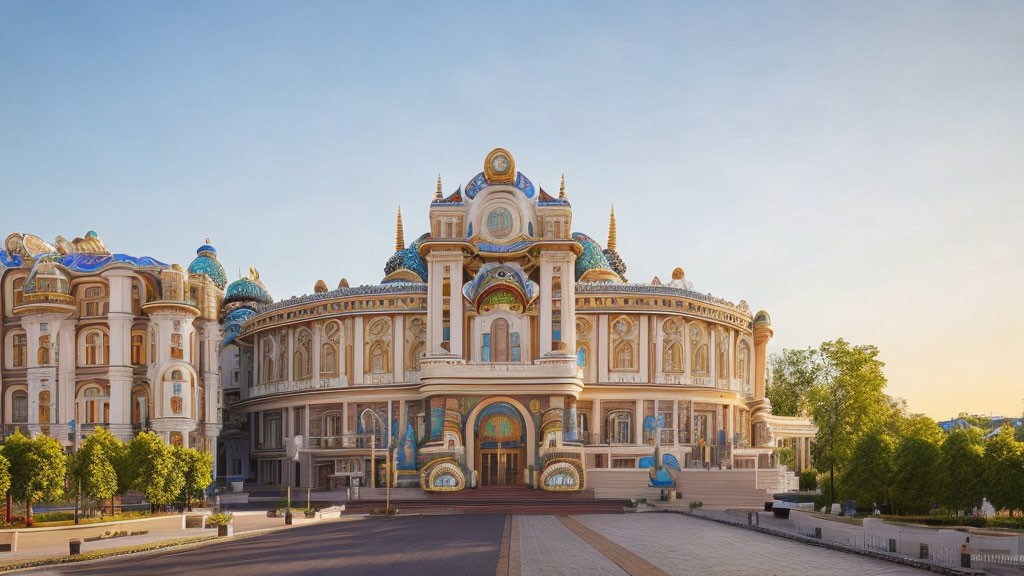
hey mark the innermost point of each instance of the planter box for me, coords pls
(781, 512)
(226, 530)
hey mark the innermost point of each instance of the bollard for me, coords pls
(75, 546)
(965, 559)
(750, 518)
(288, 517)
(757, 518)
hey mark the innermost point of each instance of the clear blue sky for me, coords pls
(853, 168)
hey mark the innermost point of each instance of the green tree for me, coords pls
(5, 474)
(91, 473)
(962, 464)
(37, 467)
(1004, 471)
(792, 377)
(151, 465)
(846, 401)
(915, 477)
(868, 476)
(116, 453)
(197, 470)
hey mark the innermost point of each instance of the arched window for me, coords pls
(140, 406)
(499, 340)
(18, 285)
(19, 407)
(44, 407)
(372, 422)
(92, 302)
(19, 358)
(97, 405)
(698, 350)
(329, 350)
(624, 356)
(136, 299)
(415, 354)
(303, 357)
(581, 356)
(619, 427)
(673, 357)
(97, 345)
(43, 352)
(378, 358)
(743, 363)
(417, 345)
(138, 348)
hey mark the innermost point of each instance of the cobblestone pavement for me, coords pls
(681, 545)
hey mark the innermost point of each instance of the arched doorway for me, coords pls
(500, 445)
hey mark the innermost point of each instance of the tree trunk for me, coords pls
(29, 522)
(10, 506)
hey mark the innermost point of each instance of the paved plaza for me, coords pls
(636, 544)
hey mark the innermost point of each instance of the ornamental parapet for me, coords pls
(390, 298)
(287, 386)
(606, 296)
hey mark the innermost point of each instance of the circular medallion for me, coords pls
(535, 406)
(499, 223)
(500, 163)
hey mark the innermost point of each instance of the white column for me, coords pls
(545, 308)
(675, 422)
(638, 422)
(398, 345)
(713, 356)
(456, 306)
(645, 347)
(316, 352)
(357, 351)
(602, 347)
(597, 421)
(569, 303)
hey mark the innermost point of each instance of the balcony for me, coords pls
(350, 441)
(558, 371)
(287, 386)
(188, 305)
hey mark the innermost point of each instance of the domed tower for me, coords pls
(405, 265)
(610, 253)
(207, 274)
(241, 300)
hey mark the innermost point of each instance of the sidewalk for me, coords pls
(48, 543)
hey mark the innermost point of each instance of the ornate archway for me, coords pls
(516, 414)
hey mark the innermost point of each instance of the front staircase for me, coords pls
(497, 500)
(718, 489)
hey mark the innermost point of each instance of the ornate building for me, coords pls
(92, 339)
(499, 348)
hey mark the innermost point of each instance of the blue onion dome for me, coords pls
(233, 321)
(248, 289)
(406, 265)
(592, 265)
(206, 263)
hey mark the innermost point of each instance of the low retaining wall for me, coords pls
(56, 537)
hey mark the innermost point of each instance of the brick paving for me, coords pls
(682, 545)
(547, 547)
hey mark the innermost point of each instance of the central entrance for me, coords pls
(500, 446)
(501, 467)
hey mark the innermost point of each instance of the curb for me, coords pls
(138, 551)
(841, 548)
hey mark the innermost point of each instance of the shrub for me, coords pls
(222, 519)
(309, 512)
(809, 480)
(696, 504)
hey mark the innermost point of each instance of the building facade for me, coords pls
(500, 348)
(99, 339)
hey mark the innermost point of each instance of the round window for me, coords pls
(499, 223)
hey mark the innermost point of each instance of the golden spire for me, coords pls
(207, 240)
(612, 236)
(561, 189)
(437, 193)
(399, 232)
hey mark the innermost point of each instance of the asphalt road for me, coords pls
(422, 545)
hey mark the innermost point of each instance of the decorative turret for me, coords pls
(248, 289)
(592, 265)
(399, 232)
(561, 189)
(614, 260)
(762, 334)
(320, 287)
(437, 192)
